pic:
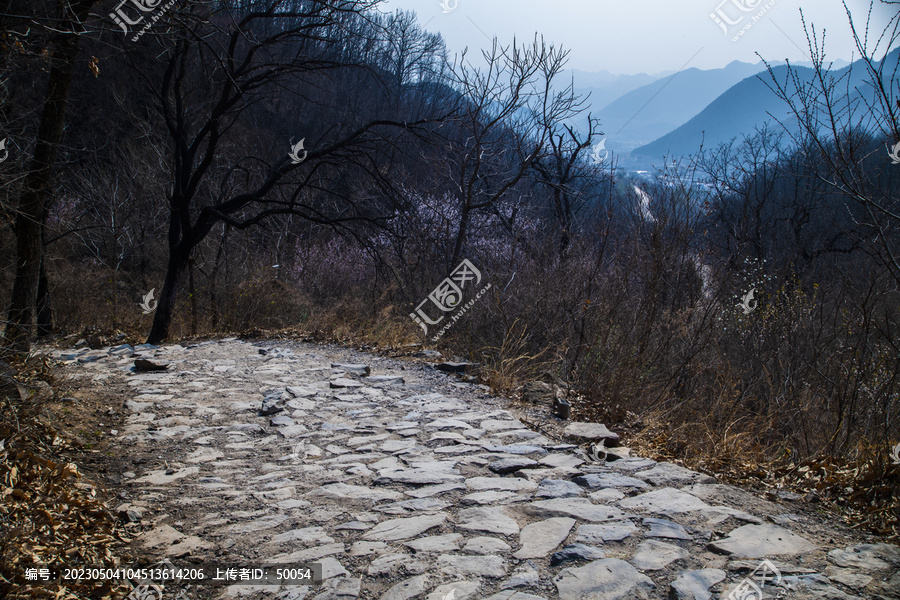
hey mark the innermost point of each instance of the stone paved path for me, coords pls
(405, 484)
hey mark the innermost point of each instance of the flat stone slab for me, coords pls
(367, 548)
(447, 423)
(261, 524)
(666, 529)
(425, 476)
(203, 455)
(541, 538)
(509, 484)
(867, 557)
(361, 370)
(760, 541)
(604, 579)
(456, 590)
(472, 566)
(664, 501)
(501, 425)
(816, 586)
(848, 577)
(135, 406)
(436, 543)
(403, 529)
(525, 576)
(510, 465)
(433, 490)
(306, 535)
(561, 461)
(590, 432)
(607, 532)
(630, 465)
(668, 474)
(511, 595)
(558, 488)
(518, 449)
(580, 508)
(167, 476)
(385, 380)
(344, 383)
(601, 481)
(301, 391)
(309, 554)
(490, 519)
(142, 365)
(651, 555)
(492, 497)
(486, 545)
(575, 552)
(417, 505)
(409, 588)
(171, 542)
(694, 585)
(291, 431)
(343, 491)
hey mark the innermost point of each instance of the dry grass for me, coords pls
(509, 364)
(51, 514)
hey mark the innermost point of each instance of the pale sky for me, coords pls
(649, 36)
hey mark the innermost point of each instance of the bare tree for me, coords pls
(409, 52)
(220, 73)
(841, 114)
(503, 127)
(31, 211)
(566, 174)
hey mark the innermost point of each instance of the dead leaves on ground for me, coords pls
(49, 515)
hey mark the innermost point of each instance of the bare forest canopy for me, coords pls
(323, 165)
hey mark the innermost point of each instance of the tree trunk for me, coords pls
(44, 309)
(213, 292)
(162, 319)
(460, 236)
(193, 296)
(32, 209)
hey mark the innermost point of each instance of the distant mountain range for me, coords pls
(653, 110)
(647, 117)
(605, 87)
(748, 105)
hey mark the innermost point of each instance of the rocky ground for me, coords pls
(400, 481)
